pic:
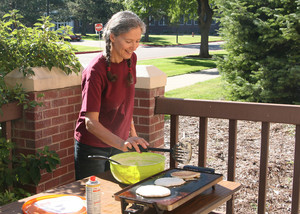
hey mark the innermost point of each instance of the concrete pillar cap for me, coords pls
(149, 77)
(43, 80)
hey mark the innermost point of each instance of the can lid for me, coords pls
(93, 178)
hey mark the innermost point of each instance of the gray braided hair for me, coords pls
(121, 22)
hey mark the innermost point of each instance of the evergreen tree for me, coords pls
(263, 43)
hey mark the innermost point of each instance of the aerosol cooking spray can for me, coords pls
(93, 196)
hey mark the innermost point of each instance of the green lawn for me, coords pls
(164, 39)
(94, 37)
(82, 48)
(207, 90)
(173, 66)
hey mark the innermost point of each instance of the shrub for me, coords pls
(263, 42)
(22, 169)
(22, 47)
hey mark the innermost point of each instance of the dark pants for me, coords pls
(85, 167)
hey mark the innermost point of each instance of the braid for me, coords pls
(111, 77)
(129, 76)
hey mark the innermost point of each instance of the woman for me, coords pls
(105, 125)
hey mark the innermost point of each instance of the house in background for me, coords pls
(161, 26)
(190, 26)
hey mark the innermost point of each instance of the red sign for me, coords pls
(98, 27)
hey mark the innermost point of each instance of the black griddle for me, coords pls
(179, 194)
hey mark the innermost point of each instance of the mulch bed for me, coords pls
(281, 159)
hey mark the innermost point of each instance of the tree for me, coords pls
(147, 9)
(202, 10)
(263, 44)
(92, 11)
(31, 10)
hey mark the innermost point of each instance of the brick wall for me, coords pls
(51, 125)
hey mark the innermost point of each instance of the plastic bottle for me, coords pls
(93, 196)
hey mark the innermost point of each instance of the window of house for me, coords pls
(195, 20)
(151, 21)
(189, 21)
(162, 21)
(181, 20)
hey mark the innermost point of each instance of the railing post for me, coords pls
(296, 180)
(202, 142)
(264, 156)
(174, 127)
(231, 160)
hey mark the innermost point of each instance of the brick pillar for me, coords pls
(150, 83)
(51, 125)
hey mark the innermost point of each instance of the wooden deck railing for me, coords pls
(234, 111)
(8, 113)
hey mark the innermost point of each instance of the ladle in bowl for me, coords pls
(100, 157)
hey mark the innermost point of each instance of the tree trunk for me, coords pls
(83, 27)
(146, 37)
(205, 19)
(48, 7)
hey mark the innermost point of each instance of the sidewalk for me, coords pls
(184, 80)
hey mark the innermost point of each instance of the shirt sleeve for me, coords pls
(93, 88)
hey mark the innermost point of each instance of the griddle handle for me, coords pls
(199, 169)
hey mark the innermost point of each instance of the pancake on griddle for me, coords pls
(185, 174)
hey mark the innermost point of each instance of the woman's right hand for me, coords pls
(133, 143)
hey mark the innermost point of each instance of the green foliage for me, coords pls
(92, 11)
(32, 10)
(145, 8)
(263, 43)
(19, 95)
(179, 8)
(22, 47)
(9, 196)
(25, 170)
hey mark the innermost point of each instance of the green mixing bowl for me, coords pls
(136, 166)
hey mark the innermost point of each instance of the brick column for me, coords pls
(150, 83)
(52, 124)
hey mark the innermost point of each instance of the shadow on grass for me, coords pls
(159, 41)
(194, 62)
